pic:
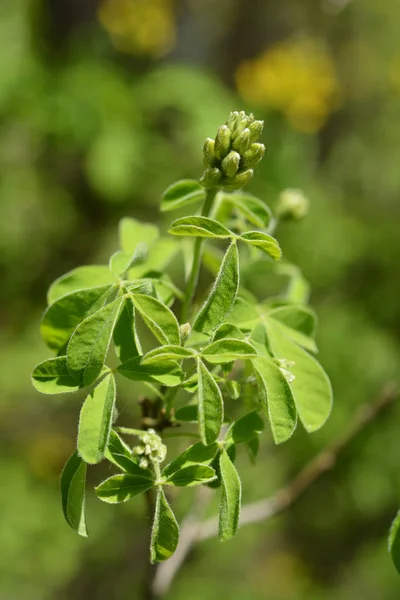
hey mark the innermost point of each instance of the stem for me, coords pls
(197, 256)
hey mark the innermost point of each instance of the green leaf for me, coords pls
(52, 377)
(72, 484)
(121, 488)
(311, 388)
(243, 314)
(277, 399)
(211, 407)
(223, 294)
(246, 428)
(165, 530)
(298, 323)
(200, 227)
(119, 453)
(168, 372)
(227, 330)
(159, 319)
(126, 341)
(187, 413)
(181, 193)
(81, 278)
(229, 511)
(120, 262)
(263, 242)
(191, 476)
(194, 455)
(167, 352)
(131, 232)
(228, 349)
(95, 421)
(394, 542)
(254, 210)
(88, 346)
(61, 318)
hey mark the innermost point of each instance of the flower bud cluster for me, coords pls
(232, 155)
(151, 449)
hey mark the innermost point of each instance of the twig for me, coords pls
(193, 531)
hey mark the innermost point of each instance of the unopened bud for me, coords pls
(256, 129)
(292, 204)
(242, 142)
(230, 164)
(185, 331)
(253, 156)
(232, 120)
(241, 125)
(209, 155)
(222, 142)
(239, 180)
(211, 177)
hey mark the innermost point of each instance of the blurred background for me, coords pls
(102, 105)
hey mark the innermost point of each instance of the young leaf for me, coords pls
(200, 227)
(211, 407)
(254, 210)
(230, 498)
(277, 399)
(89, 343)
(125, 337)
(228, 349)
(52, 377)
(165, 530)
(120, 262)
(95, 421)
(223, 294)
(246, 428)
(159, 319)
(191, 476)
(311, 388)
(72, 484)
(394, 542)
(167, 352)
(181, 193)
(263, 242)
(61, 318)
(298, 323)
(167, 372)
(131, 232)
(194, 455)
(120, 488)
(81, 278)
(118, 452)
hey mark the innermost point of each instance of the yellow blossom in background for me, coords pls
(297, 77)
(144, 27)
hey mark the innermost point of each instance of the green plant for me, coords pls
(232, 354)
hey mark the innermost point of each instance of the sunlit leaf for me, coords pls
(194, 455)
(121, 488)
(230, 498)
(191, 475)
(121, 261)
(298, 322)
(52, 377)
(167, 372)
(118, 452)
(126, 341)
(228, 349)
(159, 318)
(167, 352)
(223, 294)
(165, 531)
(263, 242)
(81, 278)
(211, 407)
(131, 232)
(200, 227)
(254, 210)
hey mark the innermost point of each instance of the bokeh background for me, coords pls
(102, 105)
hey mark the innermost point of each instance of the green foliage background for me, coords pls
(93, 126)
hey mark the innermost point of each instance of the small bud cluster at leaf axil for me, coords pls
(151, 449)
(230, 158)
(292, 205)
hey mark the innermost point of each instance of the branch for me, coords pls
(193, 530)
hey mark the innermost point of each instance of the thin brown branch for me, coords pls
(193, 531)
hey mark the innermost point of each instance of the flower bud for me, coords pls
(240, 126)
(239, 180)
(222, 142)
(242, 142)
(185, 331)
(230, 164)
(208, 150)
(232, 120)
(253, 155)
(292, 204)
(256, 129)
(211, 177)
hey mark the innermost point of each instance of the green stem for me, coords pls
(197, 256)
